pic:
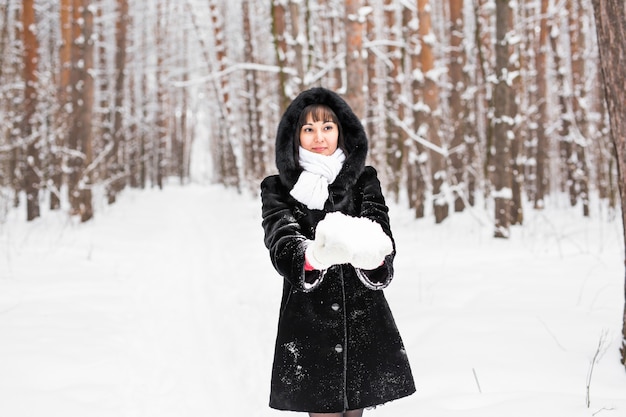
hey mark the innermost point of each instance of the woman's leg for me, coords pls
(325, 414)
(353, 413)
(350, 413)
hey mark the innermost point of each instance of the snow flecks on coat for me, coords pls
(292, 361)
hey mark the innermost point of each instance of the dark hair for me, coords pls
(319, 113)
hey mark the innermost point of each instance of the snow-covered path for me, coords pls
(160, 307)
(166, 305)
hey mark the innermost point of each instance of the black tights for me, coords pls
(349, 413)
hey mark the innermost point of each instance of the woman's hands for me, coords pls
(341, 239)
(326, 250)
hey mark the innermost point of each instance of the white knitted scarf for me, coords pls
(320, 171)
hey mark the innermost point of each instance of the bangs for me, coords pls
(318, 113)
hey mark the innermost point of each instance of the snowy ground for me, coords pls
(166, 305)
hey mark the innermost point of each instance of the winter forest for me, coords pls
(463, 100)
(492, 103)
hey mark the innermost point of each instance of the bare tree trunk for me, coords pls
(578, 39)
(483, 102)
(161, 116)
(227, 161)
(516, 215)
(279, 29)
(415, 160)
(103, 130)
(331, 29)
(115, 163)
(5, 166)
(4, 33)
(527, 130)
(86, 112)
(458, 147)
(428, 121)
(503, 124)
(610, 16)
(80, 137)
(251, 128)
(605, 152)
(566, 144)
(75, 158)
(354, 62)
(64, 98)
(542, 120)
(32, 179)
(395, 145)
(298, 43)
(371, 111)
(15, 97)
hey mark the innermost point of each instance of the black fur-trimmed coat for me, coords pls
(338, 347)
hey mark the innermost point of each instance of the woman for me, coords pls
(326, 226)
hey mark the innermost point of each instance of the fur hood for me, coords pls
(353, 132)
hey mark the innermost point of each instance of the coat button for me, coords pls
(335, 307)
(338, 348)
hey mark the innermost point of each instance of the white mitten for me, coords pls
(370, 244)
(330, 246)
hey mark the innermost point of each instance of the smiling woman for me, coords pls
(338, 350)
(320, 131)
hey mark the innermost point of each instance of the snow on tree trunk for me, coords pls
(578, 41)
(503, 123)
(395, 145)
(516, 214)
(85, 108)
(298, 38)
(115, 164)
(372, 108)
(458, 154)
(63, 116)
(416, 156)
(566, 141)
(429, 122)
(279, 29)
(541, 153)
(79, 140)
(610, 17)
(28, 129)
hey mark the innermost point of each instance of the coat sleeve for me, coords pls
(373, 206)
(284, 237)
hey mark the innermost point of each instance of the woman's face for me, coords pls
(319, 137)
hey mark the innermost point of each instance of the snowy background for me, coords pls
(166, 305)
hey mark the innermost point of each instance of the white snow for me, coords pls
(166, 305)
